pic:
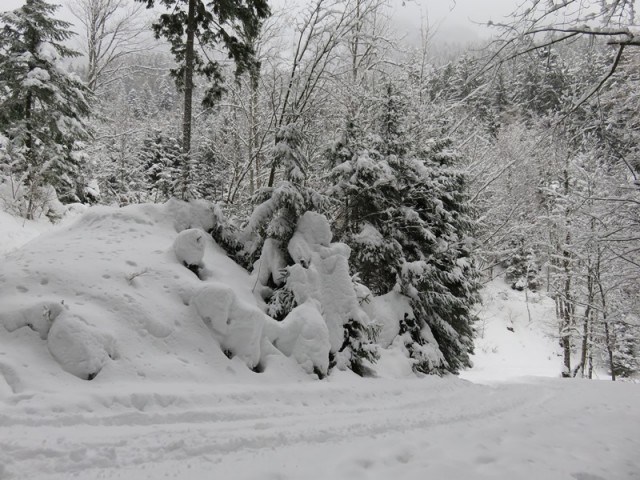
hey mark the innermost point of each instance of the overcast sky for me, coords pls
(455, 19)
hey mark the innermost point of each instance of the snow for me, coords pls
(271, 264)
(341, 429)
(80, 348)
(189, 247)
(321, 273)
(387, 310)
(509, 345)
(104, 296)
(235, 325)
(303, 336)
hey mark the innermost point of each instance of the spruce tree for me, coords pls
(42, 108)
(405, 214)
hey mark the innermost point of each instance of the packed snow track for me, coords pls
(344, 429)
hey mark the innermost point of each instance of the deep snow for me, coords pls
(168, 403)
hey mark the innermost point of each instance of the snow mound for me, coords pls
(235, 325)
(79, 348)
(189, 247)
(303, 336)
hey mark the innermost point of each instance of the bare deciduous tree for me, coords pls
(112, 29)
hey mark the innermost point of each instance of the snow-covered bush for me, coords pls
(320, 272)
(236, 326)
(189, 248)
(303, 336)
(78, 347)
(38, 317)
(33, 202)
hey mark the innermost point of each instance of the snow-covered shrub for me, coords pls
(322, 273)
(421, 346)
(78, 347)
(31, 203)
(359, 349)
(303, 336)
(189, 248)
(236, 326)
(38, 317)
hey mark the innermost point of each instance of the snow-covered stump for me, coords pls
(79, 348)
(236, 326)
(189, 248)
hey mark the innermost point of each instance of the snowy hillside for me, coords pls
(107, 296)
(516, 336)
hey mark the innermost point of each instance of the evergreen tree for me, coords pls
(405, 214)
(42, 108)
(229, 23)
(159, 158)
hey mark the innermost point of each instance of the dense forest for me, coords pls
(516, 157)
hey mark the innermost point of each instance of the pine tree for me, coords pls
(43, 109)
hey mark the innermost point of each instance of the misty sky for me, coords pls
(454, 19)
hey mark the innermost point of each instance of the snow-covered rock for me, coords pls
(189, 247)
(78, 347)
(303, 336)
(237, 326)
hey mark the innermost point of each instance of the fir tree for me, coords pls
(159, 159)
(43, 108)
(406, 217)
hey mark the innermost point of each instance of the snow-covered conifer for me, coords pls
(42, 107)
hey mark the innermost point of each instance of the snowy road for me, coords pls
(431, 428)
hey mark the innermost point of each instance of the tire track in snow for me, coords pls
(139, 438)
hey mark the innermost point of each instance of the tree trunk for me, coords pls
(587, 321)
(188, 99)
(188, 79)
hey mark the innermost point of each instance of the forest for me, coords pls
(438, 168)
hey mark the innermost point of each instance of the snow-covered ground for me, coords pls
(341, 429)
(516, 336)
(167, 403)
